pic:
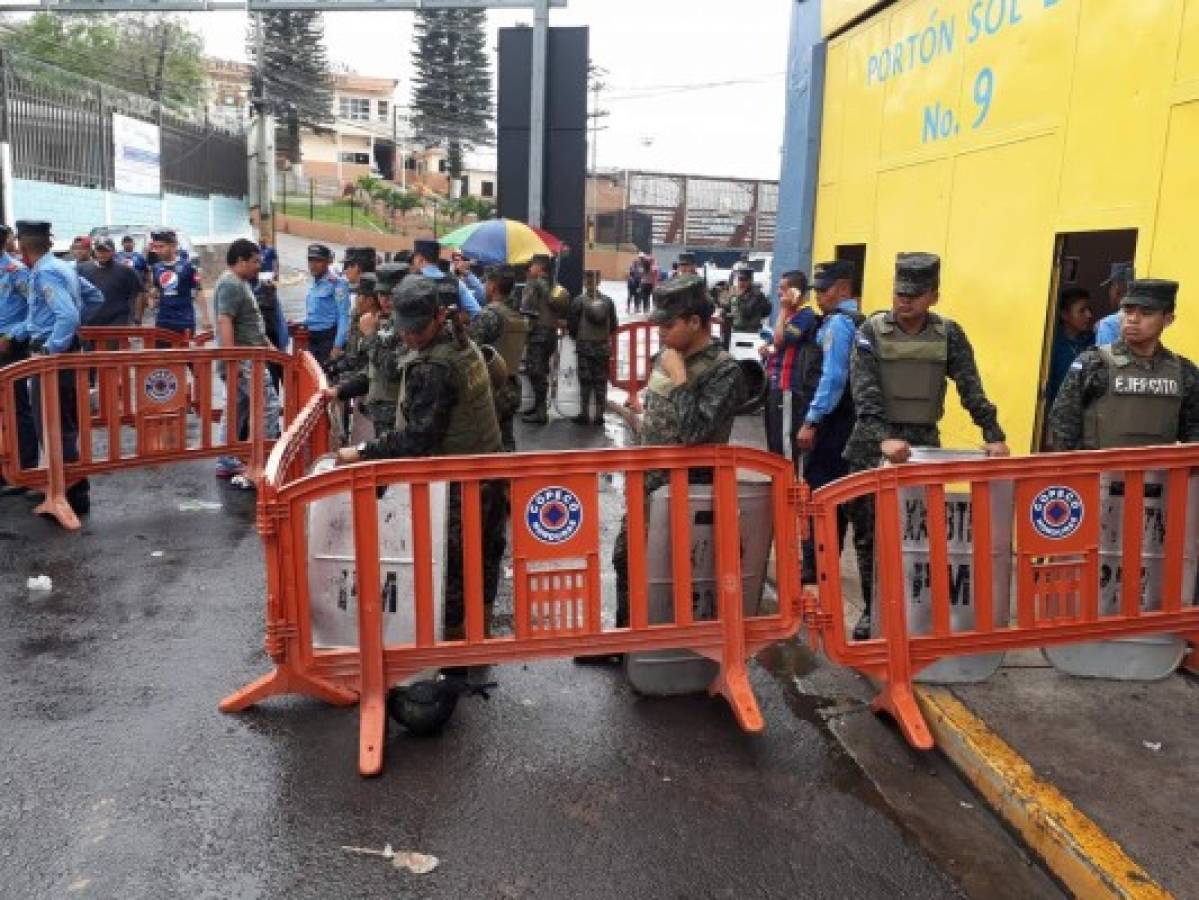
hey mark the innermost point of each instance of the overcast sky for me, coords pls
(669, 62)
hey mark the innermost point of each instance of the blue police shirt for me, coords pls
(836, 343)
(14, 293)
(177, 283)
(328, 306)
(133, 260)
(270, 258)
(53, 305)
(1108, 330)
(466, 300)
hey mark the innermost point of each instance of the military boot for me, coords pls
(584, 400)
(538, 414)
(861, 631)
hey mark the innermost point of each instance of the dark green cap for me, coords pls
(917, 273)
(682, 296)
(388, 275)
(366, 283)
(1152, 293)
(414, 303)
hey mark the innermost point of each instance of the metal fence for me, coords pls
(60, 128)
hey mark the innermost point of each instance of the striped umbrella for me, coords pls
(498, 241)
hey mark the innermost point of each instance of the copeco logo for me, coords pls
(1057, 512)
(554, 515)
(161, 386)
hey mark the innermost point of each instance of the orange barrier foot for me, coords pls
(733, 684)
(1190, 662)
(372, 730)
(60, 509)
(899, 702)
(283, 681)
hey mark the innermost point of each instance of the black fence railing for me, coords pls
(59, 126)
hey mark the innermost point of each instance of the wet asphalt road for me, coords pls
(120, 778)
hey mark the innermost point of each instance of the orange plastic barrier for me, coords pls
(141, 337)
(147, 400)
(633, 347)
(556, 613)
(1057, 546)
(299, 336)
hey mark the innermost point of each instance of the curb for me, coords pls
(1074, 848)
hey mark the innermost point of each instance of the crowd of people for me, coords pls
(431, 352)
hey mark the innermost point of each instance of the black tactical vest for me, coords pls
(1141, 406)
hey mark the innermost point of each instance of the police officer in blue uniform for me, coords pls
(14, 310)
(177, 289)
(425, 255)
(50, 327)
(327, 307)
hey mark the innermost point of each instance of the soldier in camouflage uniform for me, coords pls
(1135, 392)
(549, 303)
(694, 390)
(901, 361)
(592, 322)
(445, 410)
(502, 328)
(376, 376)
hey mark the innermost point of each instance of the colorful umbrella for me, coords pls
(497, 241)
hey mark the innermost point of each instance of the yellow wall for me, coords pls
(1093, 123)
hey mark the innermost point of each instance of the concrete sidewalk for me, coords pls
(1098, 777)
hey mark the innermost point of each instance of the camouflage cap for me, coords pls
(682, 296)
(1152, 293)
(826, 274)
(541, 259)
(388, 275)
(917, 273)
(366, 283)
(686, 258)
(364, 257)
(414, 303)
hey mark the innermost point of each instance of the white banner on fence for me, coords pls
(137, 156)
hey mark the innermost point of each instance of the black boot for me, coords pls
(861, 631)
(80, 497)
(537, 415)
(601, 402)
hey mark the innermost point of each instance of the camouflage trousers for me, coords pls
(593, 357)
(507, 405)
(493, 504)
(539, 351)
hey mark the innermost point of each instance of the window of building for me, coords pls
(488, 189)
(356, 108)
(410, 164)
(382, 105)
(441, 165)
(361, 159)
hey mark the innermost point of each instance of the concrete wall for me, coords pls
(77, 210)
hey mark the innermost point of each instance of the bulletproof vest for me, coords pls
(698, 368)
(593, 323)
(546, 316)
(473, 426)
(381, 389)
(1140, 407)
(511, 344)
(912, 368)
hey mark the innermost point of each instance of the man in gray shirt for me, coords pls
(239, 324)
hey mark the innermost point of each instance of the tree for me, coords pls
(402, 202)
(296, 72)
(451, 82)
(369, 186)
(157, 56)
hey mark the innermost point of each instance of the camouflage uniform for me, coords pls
(863, 451)
(488, 329)
(701, 411)
(1111, 398)
(540, 295)
(749, 310)
(446, 409)
(593, 344)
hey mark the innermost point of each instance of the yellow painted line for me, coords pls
(1075, 849)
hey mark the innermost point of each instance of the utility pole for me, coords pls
(537, 92)
(596, 73)
(261, 104)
